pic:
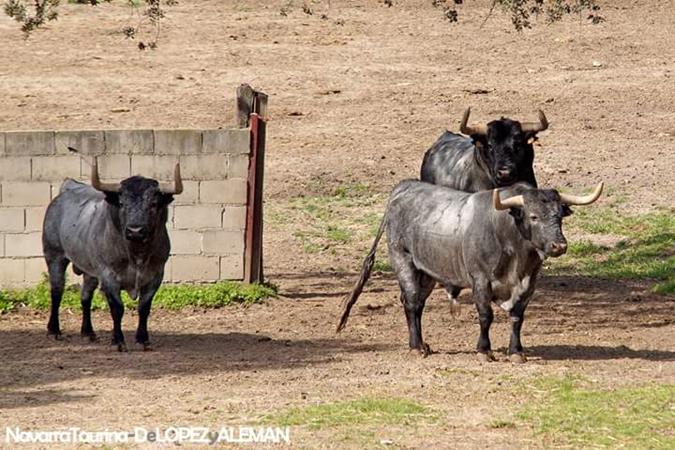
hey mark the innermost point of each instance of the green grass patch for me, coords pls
(339, 221)
(501, 424)
(585, 248)
(338, 235)
(362, 412)
(168, 296)
(635, 417)
(454, 371)
(646, 249)
(382, 266)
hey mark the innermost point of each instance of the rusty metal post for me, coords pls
(256, 104)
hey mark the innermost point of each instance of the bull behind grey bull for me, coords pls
(115, 235)
(497, 154)
(493, 242)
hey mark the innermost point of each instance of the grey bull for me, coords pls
(115, 235)
(493, 242)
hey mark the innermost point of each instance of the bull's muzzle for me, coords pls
(504, 176)
(136, 234)
(557, 248)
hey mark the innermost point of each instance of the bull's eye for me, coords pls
(533, 217)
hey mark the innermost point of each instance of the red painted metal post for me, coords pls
(254, 217)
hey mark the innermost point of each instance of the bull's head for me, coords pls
(505, 146)
(139, 203)
(538, 214)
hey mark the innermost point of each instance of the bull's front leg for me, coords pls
(112, 294)
(145, 303)
(482, 293)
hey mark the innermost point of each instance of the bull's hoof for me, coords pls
(89, 335)
(57, 335)
(121, 346)
(423, 350)
(147, 346)
(517, 358)
(486, 357)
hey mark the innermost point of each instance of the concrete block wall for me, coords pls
(206, 222)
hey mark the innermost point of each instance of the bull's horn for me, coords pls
(582, 199)
(473, 129)
(96, 181)
(177, 186)
(512, 202)
(535, 127)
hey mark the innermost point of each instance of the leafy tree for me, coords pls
(32, 14)
(36, 13)
(521, 11)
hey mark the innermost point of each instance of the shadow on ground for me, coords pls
(596, 352)
(307, 311)
(38, 361)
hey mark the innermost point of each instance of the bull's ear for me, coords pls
(166, 199)
(566, 210)
(479, 140)
(531, 137)
(517, 214)
(112, 197)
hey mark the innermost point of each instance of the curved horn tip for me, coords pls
(543, 120)
(598, 189)
(465, 118)
(178, 180)
(176, 187)
(95, 180)
(596, 192)
(583, 199)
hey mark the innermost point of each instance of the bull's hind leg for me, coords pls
(89, 285)
(416, 287)
(56, 266)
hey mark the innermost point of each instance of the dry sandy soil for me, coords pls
(354, 98)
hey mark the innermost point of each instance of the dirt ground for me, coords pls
(354, 98)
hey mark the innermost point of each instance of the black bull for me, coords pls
(114, 234)
(493, 242)
(496, 155)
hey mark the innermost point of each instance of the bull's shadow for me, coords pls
(32, 361)
(596, 353)
(601, 303)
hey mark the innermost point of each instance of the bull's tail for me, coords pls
(366, 269)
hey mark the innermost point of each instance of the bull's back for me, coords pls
(429, 222)
(71, 218)
(450, 162)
